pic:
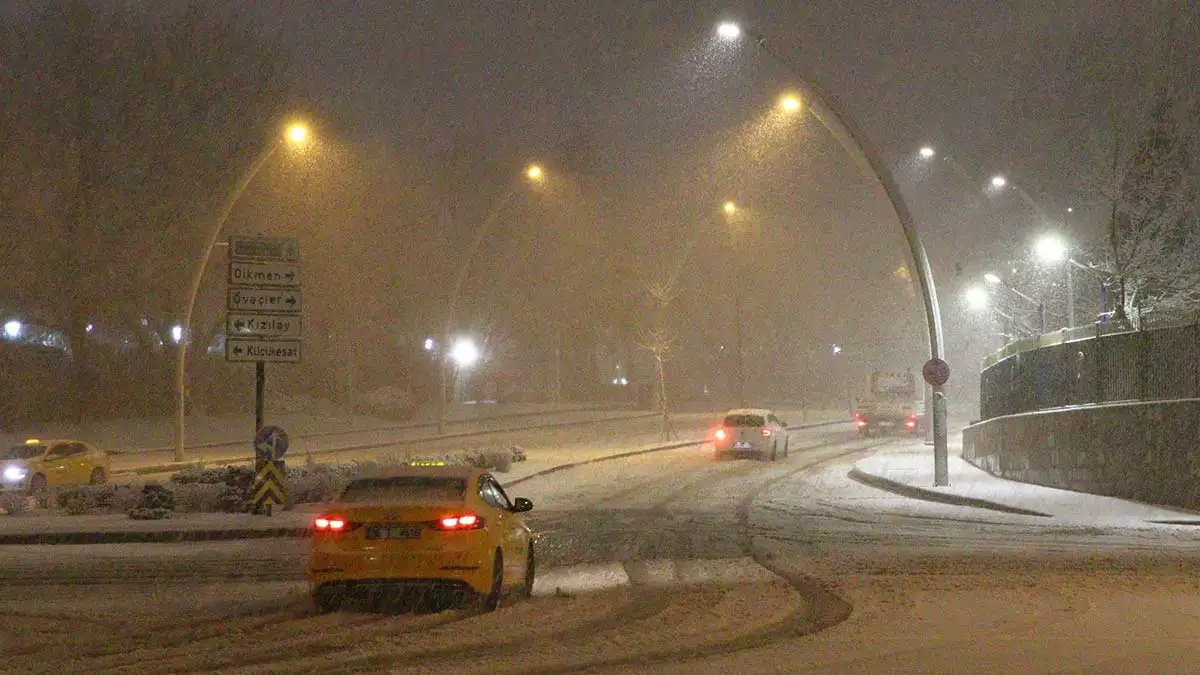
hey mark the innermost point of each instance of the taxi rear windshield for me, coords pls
(27, 451)
(417, 489)
(745, 421)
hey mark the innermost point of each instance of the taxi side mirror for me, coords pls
(521, 505)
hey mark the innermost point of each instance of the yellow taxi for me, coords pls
(36, 464)
(449, 529)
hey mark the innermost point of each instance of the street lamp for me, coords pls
(464, 353)
(976, 297)
(12, 329)
(927, 152)
(826, 109)
(534, 173)
(296, 135)
(729, 208)
(1051, 249)
(790, 103)
(999, 182)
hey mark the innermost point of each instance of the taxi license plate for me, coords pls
(394, 531)
(742, 445)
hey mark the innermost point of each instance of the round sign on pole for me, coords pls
(936, 372)
(271, 443)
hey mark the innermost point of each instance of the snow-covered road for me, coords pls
(866, 582)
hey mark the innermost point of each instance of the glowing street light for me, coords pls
(1050, 249)
(464, 353)
(976, 297)
(12, 329)
(297, 133)
(992, 278)
(729, 208)
(534, 172)
(999, 181)
(790, 103)
(729, 31)
(176, 333)
(927, 152)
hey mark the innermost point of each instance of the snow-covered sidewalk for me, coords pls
(908, 469)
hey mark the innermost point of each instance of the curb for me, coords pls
(147, 537)
(928, 495)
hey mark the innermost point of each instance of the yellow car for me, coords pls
(448, 529)
(38, 464)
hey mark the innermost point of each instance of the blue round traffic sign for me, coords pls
(271, 443)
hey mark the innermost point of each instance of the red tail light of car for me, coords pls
(720, 434)
(766, 433)
(911, 422)
(331, 525)
(467, 521)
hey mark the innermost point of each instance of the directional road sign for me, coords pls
(271, 442)
(275, 327)
(268, 351)
(269, 275)
(264, 300)
(263, 248)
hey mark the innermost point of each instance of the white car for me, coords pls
(753, 432)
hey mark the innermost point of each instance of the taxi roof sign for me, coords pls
(427, 462)
(33, 441)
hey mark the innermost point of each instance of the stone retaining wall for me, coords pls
(1146, 451)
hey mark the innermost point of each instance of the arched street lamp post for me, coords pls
(827, 110)
(295, 134)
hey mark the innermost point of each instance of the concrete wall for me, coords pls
(1147, 451)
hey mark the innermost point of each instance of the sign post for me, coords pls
(936, 373)
(263, 323)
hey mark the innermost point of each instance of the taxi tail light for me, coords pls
(332, 525)
(467, 521)
(766, 432)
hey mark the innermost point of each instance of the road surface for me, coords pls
(853, 580)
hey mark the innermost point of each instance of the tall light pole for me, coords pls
(826, 109)
(533, 173)
(296, 134)
(731, 211)
(1051, 249)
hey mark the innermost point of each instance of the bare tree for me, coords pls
(122, 128)
(659, 339)
(1153, 239)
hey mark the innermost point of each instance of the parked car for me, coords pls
(755, 432)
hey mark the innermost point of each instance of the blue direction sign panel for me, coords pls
(264, 300)
(265, 274)
(263, 248)
(271, 443)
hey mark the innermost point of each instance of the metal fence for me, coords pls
(1158, 364)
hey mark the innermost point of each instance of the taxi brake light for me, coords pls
(468, 521)
(330, 524)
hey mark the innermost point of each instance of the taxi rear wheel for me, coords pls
(98, 477)
(491, 601)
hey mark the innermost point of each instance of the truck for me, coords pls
(894, 404)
